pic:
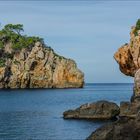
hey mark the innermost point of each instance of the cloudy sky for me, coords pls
(88, 32)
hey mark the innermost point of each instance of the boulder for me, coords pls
(100, 110)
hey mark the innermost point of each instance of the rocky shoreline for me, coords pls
(127, 127)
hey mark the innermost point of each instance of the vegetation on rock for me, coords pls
(137, 27)
(12, 33)
(26, 62)
(2, 62)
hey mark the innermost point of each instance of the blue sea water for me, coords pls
(37, 114)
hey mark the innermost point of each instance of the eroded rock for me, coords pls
(128, 56)
(38, 67)
(100, 110)
(128, 125)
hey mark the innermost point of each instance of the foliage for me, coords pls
(24, 42)
(12, 33)
(137, 27)
(17, 28)
(1, 45)
(2, 62)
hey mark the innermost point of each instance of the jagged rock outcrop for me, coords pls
(128, 56)
(37, 67)
(128, 125)
(100, 110)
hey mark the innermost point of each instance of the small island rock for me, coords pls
(26, 62)
(100, 110)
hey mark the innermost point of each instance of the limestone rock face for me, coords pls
(128, 125)
(38, 67)
(100, 110)
(137, 85)
(128, 56)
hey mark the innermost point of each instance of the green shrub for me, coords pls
(137, 27)
(17, 28)
(2, 62)
(12, 33)
(1, 44)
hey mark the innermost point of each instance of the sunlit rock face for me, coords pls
(128, 124)
(38, 67)
(128, 56)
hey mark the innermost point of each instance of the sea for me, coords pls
(30, 114)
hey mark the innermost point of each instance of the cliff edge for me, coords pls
(128, 56)
(128, 124)
(26, 62)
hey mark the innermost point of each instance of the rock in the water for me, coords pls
(38, 67)
(128, 58)
(124, 129)
(128, 125)
(101, 110)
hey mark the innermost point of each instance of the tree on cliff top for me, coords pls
(12, 33)
(137, 27)
(17, 28)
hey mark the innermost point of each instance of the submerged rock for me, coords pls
(100, 110)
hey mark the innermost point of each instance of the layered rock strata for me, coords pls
(38, 67)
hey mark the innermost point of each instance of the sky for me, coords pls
(90, 32)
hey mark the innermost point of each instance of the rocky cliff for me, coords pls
(128, 56)
(29, 63)
(128, 124)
